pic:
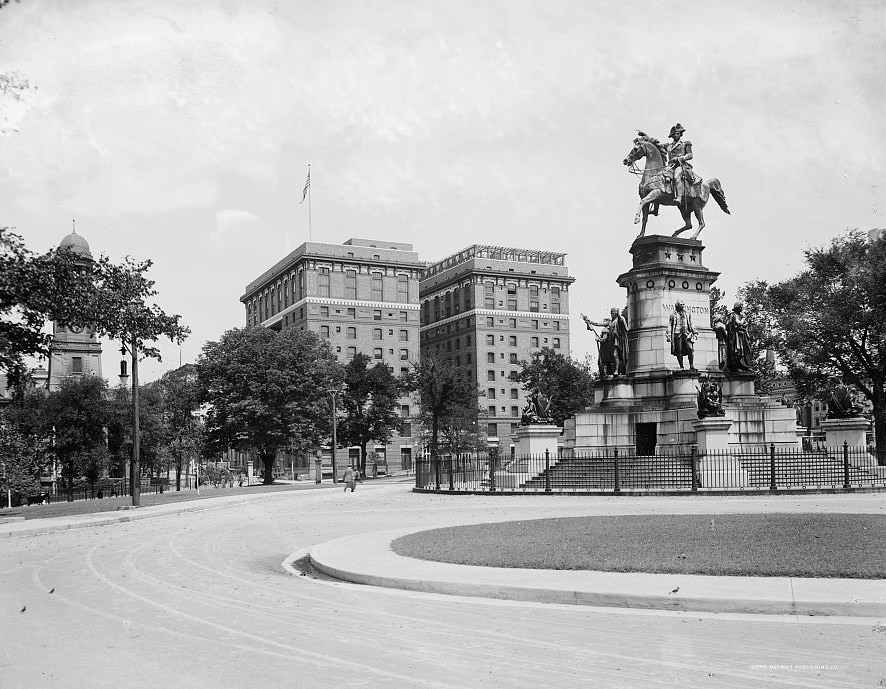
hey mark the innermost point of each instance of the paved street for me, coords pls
(200, 600)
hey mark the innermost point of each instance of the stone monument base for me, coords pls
(535, 439)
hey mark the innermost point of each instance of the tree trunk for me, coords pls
(70, 482)
(178, 476)
(880, 421)
(363, 460)
(268, 461)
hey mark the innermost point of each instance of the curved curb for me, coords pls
(368, 559)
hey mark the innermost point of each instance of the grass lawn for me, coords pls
(798, 545)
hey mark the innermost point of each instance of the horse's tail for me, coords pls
(718, 194)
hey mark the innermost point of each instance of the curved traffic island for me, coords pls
(806, 564)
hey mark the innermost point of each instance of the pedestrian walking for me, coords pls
(350, 479)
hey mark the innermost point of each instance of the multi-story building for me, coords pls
(361, 296)
(74, 351)
(486, 308)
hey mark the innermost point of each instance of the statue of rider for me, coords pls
(679, 152)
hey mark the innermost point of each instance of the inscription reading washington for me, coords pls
(690, 309)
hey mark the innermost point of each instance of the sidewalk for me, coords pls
(368, 559)
(32, 527)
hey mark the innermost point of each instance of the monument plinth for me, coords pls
(670, 345)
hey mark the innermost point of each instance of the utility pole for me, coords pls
(136, 441)
(334, 392)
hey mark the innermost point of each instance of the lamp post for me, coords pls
(134, 469)
(333, 392)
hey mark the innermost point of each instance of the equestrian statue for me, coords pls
(669, 180)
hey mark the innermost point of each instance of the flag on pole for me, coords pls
(304, 191)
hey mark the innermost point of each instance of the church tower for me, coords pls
(74, 351)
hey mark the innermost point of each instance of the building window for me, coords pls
(404, 336)
(556, 343)
(490, 322)
(490, 357)
(512, 322)
(513, 358)
(533, 342)
(404, 355)
(490, 375)
(350, 284)
(376, 286)
(352, 313)
(352, 333)
(377, 353)
(404, 316)
(533, 298)
(515, 411)
(514, 393)
(458, 343)
(490, 393)
(376, 315)
(490, 339)
(376, 333)
(491, 410)
(324, 331)
(323, 282)
(352, 352)
(535, 325)
(512, 340)
(556, 325)
(324, 312)
(492, 429)
(76, 365)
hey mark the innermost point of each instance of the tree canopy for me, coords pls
(445, 395)
(829, 322)
(567, 383)
(369, 400)
(262, 390)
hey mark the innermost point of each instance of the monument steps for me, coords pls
(634, 472)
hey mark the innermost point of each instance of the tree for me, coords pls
(445, 394)
(263, 390)
(33, 290)
(21, 461)
(830, 321)
(567, 383)
(183, 432)
(77, 414)
(369, 401)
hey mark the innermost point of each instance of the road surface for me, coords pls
(201, 600)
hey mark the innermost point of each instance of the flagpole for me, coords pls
(310, 230)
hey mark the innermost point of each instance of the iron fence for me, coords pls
(759, 468)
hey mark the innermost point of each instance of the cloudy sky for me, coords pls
(181, 132)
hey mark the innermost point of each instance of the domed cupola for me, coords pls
(77, 244)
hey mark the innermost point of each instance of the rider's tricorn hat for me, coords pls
(676, 128)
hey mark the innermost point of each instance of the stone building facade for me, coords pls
(361, 296)
(74, 351)
(486, 308)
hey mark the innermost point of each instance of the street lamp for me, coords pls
(333, 392)
(134, 469)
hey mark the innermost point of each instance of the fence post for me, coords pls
(846, 483)
(451, 484)
(615, 464)
(772, 485)
(492, 457)
(694, 469)
(547, 470)
(436, 461)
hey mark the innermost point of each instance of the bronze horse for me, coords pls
(656, 187)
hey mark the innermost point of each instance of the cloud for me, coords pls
(228, 220)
